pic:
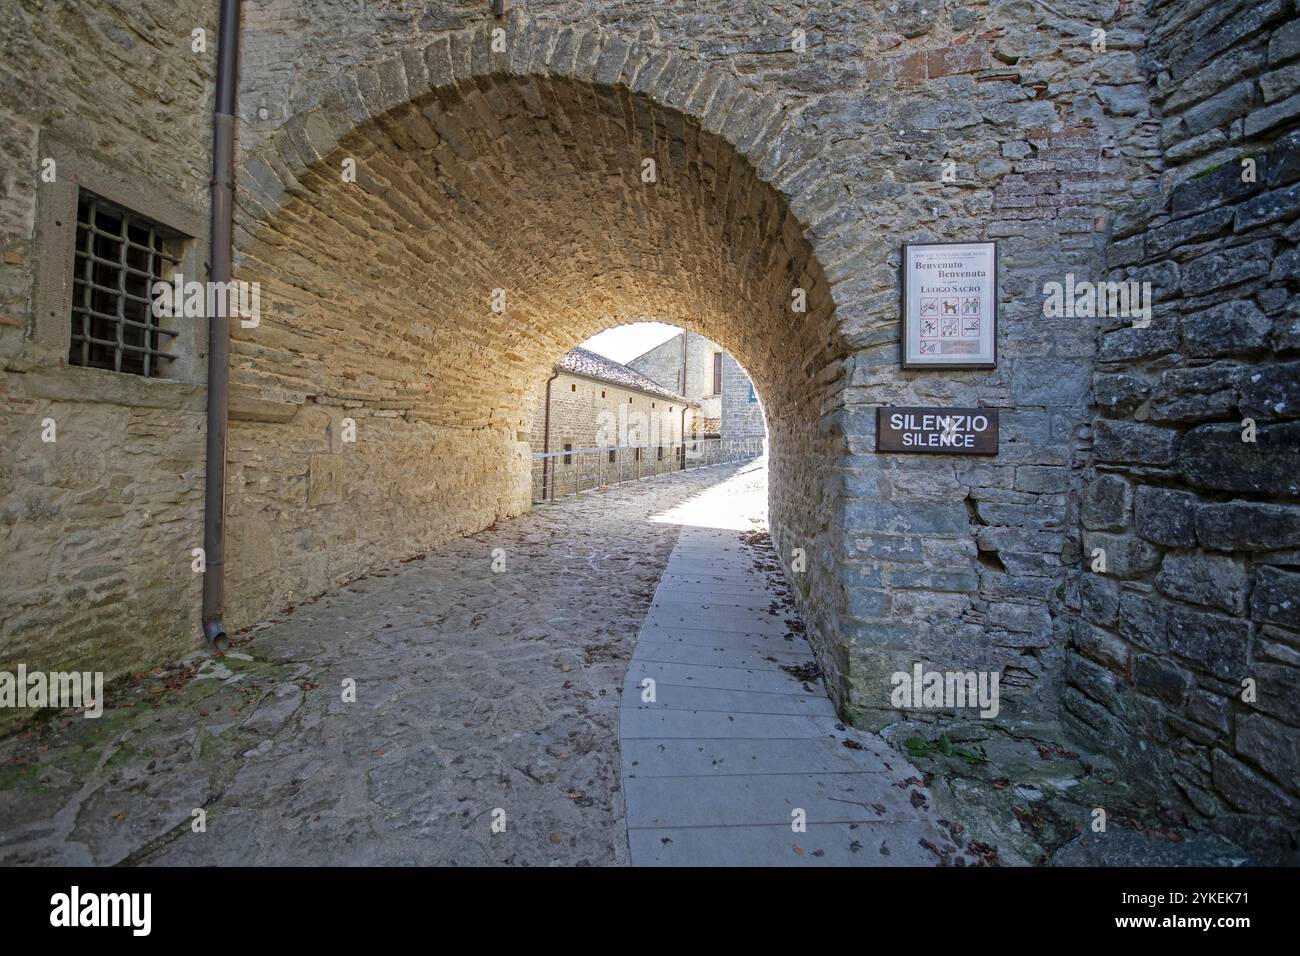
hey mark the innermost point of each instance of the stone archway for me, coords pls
(524, 173)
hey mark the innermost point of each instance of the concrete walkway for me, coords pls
(722, 746)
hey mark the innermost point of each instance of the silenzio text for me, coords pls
(937, 431)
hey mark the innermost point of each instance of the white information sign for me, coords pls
(950, 303)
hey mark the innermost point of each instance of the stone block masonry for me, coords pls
(598, 403)
(515, 162)
(742, 413)
(723, 404)
(96, 527)
(663, 364)
(1185, 656)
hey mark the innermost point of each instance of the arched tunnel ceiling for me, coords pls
(382, 287)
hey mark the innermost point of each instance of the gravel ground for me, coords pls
(482, 698)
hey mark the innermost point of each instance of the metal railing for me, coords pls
(558, 474)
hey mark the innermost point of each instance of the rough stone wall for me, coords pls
(1200, 529)
(741, 417)
(577, 407)
(663, 364)
(428, 133)
(961, 563)
(521, 170)
(96, 528)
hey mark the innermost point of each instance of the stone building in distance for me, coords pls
(594, 402)
(708, 374)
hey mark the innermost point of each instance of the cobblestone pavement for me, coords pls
(476, 692)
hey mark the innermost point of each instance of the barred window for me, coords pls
(119, 257)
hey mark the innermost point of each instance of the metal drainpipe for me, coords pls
(219, 270)
(685, 333)
(546, 435)
(681, 433)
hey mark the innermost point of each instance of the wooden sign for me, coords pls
(937, 431)
(950, 305)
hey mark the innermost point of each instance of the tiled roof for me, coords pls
(591, 365)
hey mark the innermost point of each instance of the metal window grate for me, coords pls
(119, 257)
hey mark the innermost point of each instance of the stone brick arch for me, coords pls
(520, 172)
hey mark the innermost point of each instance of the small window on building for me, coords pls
(568, 458)
(717, 373)
(636, 454)
(602, 393)
(652, 404)
(629, 399)
(573, 387)
(612, 454)
(119, 257)
(660, 455)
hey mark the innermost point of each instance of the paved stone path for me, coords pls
(722, 745)
(480, 697)
(475, 692)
